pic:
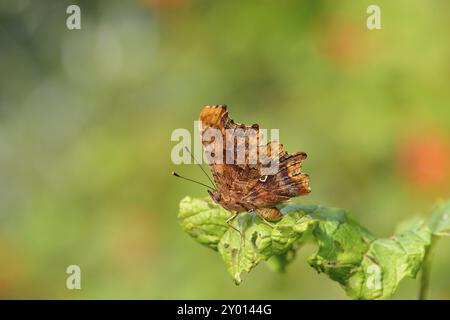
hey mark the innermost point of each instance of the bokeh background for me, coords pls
(86, 118)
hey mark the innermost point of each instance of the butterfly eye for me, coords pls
(263, 179)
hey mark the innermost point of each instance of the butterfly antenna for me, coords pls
(200, 166)
(205, 185)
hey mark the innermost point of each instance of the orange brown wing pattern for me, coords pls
(242, 187)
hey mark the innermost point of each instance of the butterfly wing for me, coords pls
(240, 185)
(288, 182)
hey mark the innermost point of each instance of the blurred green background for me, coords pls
(86, 118)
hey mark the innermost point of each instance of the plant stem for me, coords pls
(426, 270)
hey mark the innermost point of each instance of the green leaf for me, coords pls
(258, 240)
(366, 267)
(375, 269)
(203, 220)
(279, 262)
(439, 222)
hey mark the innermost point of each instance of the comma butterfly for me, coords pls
(241, 186)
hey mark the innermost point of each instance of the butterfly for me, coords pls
(241, 186)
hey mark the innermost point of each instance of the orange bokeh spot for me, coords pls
(425, 160)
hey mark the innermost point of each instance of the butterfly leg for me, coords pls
(230, 220)
(262, 218)
(267, 222)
